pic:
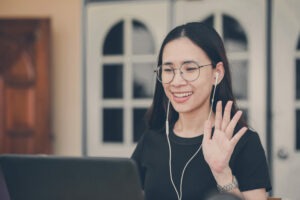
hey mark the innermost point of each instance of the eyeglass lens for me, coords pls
(189, 71)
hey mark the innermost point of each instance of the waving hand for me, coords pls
(218, 148)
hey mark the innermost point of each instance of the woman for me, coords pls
(197, 142)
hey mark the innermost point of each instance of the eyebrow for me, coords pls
(184, 62)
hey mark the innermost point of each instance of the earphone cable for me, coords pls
(179, 194)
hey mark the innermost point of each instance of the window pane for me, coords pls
(234, 35)
(297, 129)
(113, 81)
(113, 125)
(239, 72)
(143, 80)
(142, 40)
(209, 21)
(113, 44)
(139, 123)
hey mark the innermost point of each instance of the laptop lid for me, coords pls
(70, 178)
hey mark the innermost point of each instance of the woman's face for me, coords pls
(188, 96)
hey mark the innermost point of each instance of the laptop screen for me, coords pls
(70, 178)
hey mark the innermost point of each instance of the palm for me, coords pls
(218, 148)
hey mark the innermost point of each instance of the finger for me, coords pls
(218, 118)
(238, 136)
(230, 128)
(226, 115)
(207, 130)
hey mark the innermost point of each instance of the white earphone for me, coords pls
(217, 78)
(179, 192)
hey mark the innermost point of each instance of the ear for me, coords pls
(218, 73)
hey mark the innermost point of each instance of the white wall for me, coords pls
(66, 59)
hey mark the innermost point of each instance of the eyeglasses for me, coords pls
(189, 71)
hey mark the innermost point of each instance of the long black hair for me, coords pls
(208, 40)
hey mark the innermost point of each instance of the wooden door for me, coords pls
(24, 86)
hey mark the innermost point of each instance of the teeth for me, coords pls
(182, 94)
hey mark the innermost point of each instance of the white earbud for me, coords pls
(217, 78)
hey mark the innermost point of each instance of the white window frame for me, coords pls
(99, 22)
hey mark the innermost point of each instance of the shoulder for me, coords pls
(149, 141)
(151, 135)
(250, 136)
(250, 141)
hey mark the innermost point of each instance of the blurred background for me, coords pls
(76, 76)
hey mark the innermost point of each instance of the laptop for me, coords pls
(30, 177)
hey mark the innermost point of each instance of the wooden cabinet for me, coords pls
(25, 115)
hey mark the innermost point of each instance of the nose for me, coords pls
(178, 79)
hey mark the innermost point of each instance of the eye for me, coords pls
(167, 69)
(189, 68)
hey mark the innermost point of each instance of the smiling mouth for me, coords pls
(183, 94)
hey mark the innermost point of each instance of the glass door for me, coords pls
(123, 39)
(286, 99)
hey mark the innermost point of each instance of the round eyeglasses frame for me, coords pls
(159, 68)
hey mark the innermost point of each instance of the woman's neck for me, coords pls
(192, 124)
